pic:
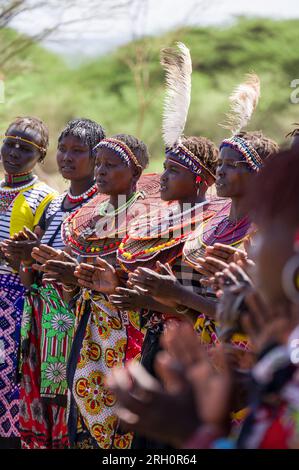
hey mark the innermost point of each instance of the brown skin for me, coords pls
(179, 184)
(233, 178)
(15, 160)
(75, 164)
(295, 142)
(271, 315)
(22, 159)
(119, 181)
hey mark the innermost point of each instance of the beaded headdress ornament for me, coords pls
(21, 139)
(178, 68)
(244, 100)
(119, 147)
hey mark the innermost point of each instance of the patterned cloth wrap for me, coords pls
(18, 208)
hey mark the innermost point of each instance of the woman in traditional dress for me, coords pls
(23, 199)
(105, 336)
(47, 327)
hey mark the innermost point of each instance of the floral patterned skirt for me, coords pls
(110, 339)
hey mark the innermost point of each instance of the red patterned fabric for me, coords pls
(42, 423)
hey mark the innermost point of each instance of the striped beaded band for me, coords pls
(121, 149)
(39, 147)
(188, 159)
(245, 150)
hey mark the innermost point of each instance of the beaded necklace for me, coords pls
(126, 250)
(7, 195)
(16, 189)
(224, 231)
(218, 229)
(82, 197)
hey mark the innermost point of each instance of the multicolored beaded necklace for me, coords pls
(104, 206)
(8, 194)
(19, 179)
(218, 229)
(80, 231)
(134, 249)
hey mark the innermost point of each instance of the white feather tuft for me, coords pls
(178, 68)
(243, 102)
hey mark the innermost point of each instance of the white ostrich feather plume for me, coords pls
(178, 68)
(243, 102)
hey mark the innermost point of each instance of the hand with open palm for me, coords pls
(101, 277)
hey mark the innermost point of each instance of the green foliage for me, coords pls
(124, 90)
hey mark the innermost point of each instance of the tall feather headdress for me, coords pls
(243, 102)
(178, 68)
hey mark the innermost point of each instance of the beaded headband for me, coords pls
(247, 152)
(188, 159)
(39, 147)
(121, 149)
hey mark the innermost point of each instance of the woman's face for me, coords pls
(232, 174)
(73, 159)
(177, 183)
(19, 156)
(272, 247)
(113, 176)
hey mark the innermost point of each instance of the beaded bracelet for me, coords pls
(26, 269)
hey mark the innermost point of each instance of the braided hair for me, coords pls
(137, 146)
(33, 123)
(88, 131)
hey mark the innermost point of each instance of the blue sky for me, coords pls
(149, 17)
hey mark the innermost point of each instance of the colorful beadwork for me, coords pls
(121, 149)
(79, 229)
(82, 197)
(188, 159)
(18, 138)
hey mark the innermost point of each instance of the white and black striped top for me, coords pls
(33, 197)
